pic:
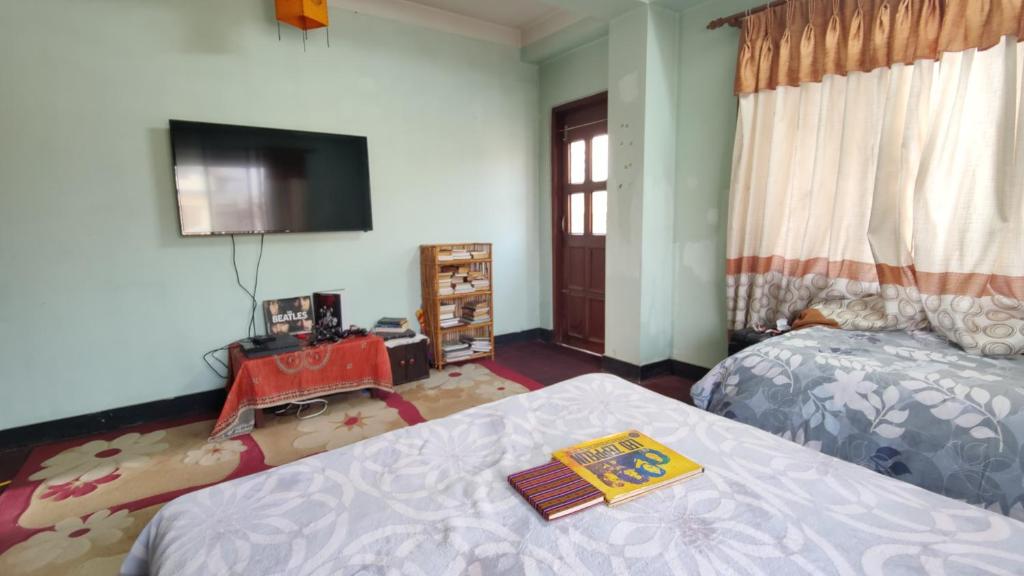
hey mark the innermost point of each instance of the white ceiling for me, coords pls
(514, 22)
(512, 13)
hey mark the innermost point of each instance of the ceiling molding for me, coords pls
(433, 18)
(554, 21)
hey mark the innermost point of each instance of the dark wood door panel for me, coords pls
(576, 315)
(576, 268)
(579, 175)
(595, 280)
(595, 317)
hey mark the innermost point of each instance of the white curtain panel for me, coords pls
(887, 200)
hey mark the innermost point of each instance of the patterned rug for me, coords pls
(76, 507)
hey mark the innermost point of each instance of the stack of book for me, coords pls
(460, 254)
(444, 284)
(460, 280)
(456, 351)
(447, 317)
(479, 254)
(479, 281)
(616, 468)
(476, 312)
(478, 344)
(389, 328)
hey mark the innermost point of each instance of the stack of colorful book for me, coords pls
(615, 469)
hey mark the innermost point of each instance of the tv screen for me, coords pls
(241, 180)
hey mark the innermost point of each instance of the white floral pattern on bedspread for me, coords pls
(433, 499)
(907, 405)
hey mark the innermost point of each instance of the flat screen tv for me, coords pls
(242, 180)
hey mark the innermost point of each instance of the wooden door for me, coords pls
(580, 220)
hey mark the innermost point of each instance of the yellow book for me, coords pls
(628, 464)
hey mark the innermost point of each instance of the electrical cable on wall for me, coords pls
(253, 302)
(212, 354)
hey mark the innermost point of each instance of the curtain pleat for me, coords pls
(806, 40)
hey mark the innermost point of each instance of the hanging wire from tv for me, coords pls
(253, 302)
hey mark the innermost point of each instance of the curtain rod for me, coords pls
(737, 18)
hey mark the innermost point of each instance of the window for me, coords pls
(578, 162)
(599, 158)
(577, 207)
(599, 213)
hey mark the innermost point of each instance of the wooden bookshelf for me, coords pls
(431, 267)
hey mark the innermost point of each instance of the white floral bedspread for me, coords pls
(433, 499)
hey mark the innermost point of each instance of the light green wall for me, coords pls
(576, 74)
(627, 68)
(662, 110)
(707, 122)
(642, 110)
(102, 304)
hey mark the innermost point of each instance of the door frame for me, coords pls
(558, 168)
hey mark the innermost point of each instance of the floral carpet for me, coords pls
(76, 507)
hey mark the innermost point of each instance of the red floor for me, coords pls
(543, 362)
(549, 363)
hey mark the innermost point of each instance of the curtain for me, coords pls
(885, 196)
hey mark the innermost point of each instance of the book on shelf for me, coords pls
(451, 323)
(459, 254)
(454, 346)
(555, 490)
(457, 351)
(446, 291)
(627, 465)
(477, 343)
(476, 312)
(463, 287)
(479, 254)
(444, 255)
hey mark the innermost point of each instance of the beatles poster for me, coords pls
(288, 315)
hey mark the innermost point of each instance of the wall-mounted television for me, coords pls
(244, 180)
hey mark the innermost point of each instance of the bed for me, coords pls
(905, 404)
(432, 499)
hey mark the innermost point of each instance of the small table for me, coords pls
(312, 372)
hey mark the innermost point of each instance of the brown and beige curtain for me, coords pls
(878, 172)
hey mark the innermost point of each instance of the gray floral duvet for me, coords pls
(907, 405)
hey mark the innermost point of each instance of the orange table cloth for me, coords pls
(312, 372)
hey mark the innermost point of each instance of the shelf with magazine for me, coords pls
(458, 307)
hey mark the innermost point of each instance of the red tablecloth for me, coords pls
(313, 372)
